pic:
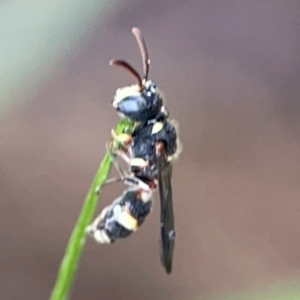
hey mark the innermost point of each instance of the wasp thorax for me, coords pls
(138, 105)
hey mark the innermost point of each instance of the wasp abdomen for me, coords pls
(123, 217)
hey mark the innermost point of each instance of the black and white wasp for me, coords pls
(149, 152)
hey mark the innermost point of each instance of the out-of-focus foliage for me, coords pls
(281, 291)
(36, 36)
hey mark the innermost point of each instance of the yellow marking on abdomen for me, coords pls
(127, 220)
(157, 127)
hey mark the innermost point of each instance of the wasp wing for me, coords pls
(167, 234)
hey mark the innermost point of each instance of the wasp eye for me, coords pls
(132, 105)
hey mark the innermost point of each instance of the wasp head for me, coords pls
(138, 104)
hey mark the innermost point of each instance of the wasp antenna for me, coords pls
(129, 68)
(142, 44)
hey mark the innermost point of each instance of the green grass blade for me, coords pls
(76, 243)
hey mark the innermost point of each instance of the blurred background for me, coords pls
(230, 71)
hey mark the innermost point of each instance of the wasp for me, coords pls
(149, 151)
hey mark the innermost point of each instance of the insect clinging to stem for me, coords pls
(149, 151)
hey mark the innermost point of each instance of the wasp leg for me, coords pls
(122, 151)
(107, 182)
(129, 179)
(131, 161)
(114, 161)
(137, 183)
(124, 155)
(113, 180)
(121, 173)
(123, 138)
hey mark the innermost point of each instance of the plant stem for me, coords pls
(70, 261)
